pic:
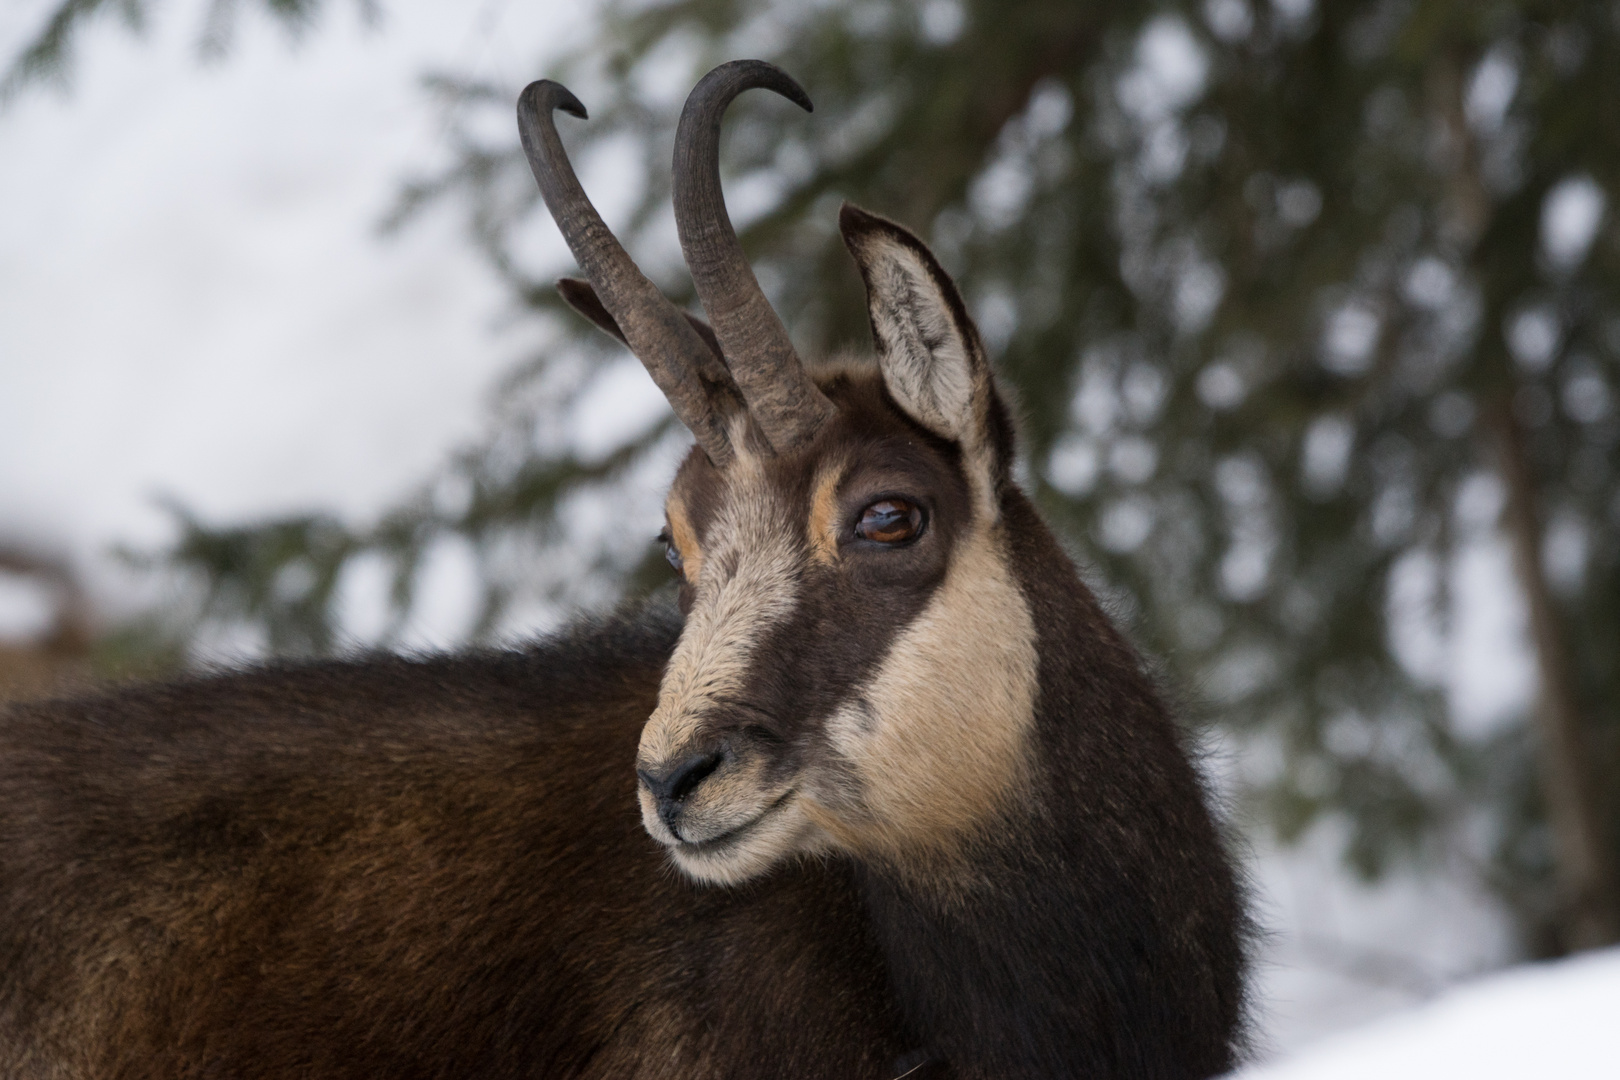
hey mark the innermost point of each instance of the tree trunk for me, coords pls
(1586, 871)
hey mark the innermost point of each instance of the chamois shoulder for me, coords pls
(595, 675)
(611, 654)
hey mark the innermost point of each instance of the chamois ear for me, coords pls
(582, 298)
(928, 348)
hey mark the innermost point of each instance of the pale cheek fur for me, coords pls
(943, 739)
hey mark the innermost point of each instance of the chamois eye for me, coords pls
(671, 552)
(890, 521)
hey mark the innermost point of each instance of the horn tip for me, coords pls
(766, 76)
(544, 95)
(789, 88)
(571, 287)
(795, 93)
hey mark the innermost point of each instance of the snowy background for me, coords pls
(195, 301)
(1539, 1020)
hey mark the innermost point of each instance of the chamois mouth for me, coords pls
(726, 841)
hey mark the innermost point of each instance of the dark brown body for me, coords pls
(436, 868)
(399, 869)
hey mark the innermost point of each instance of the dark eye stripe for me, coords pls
(890, 521)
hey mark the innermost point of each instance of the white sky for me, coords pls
(193, 301)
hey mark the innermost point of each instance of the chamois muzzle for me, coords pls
(670, 787)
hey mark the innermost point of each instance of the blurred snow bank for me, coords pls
(1337, 952)
(1556, 1019)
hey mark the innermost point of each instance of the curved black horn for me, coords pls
(691, 376)
(781, 397)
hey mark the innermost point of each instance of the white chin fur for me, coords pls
(781, 832)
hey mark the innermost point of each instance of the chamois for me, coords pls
(884, 793)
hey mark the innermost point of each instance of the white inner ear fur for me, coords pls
(926, 363)
(931, 368)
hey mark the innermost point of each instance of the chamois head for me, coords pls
(857, 670)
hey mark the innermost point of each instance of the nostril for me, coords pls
(690, 773)
(677, 783)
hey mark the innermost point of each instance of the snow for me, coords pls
(1555, 1019)
(1338, 952)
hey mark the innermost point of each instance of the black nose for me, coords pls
(671, 787)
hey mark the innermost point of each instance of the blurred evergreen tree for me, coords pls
(1310, 308)
(47, 56)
